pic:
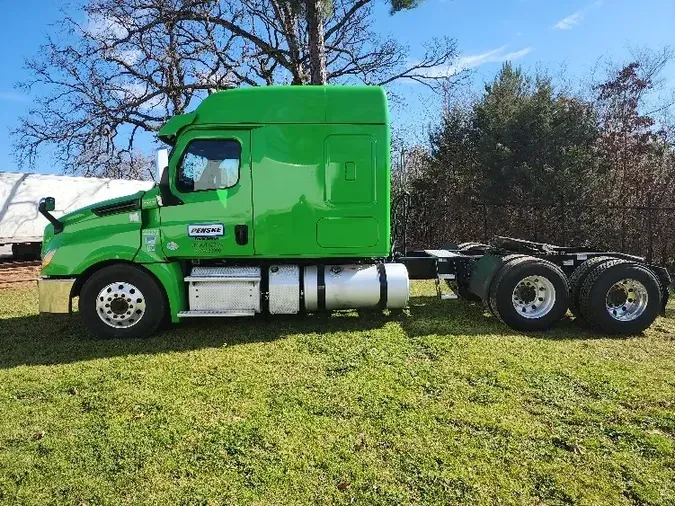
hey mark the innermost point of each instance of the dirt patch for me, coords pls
(14, 274)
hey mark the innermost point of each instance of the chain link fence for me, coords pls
(647, 231)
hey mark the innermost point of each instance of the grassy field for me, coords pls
(439, 406)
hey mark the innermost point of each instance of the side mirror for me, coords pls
(47, 204)
(161, 163)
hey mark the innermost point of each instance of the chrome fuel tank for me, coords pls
(356, 286)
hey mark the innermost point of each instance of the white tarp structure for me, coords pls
(20, 221)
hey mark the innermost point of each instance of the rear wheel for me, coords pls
(620, 297)
(577, 279)
(122, 301)
(505, 261)
(529, 294)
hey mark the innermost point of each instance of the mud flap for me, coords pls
(483, 273)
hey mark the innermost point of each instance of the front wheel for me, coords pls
(122, 301)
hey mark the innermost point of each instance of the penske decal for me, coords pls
(206, 230)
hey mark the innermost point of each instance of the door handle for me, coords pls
(350, 171)
(241, 234)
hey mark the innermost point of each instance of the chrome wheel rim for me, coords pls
(626, 300)
(120, 305)
(533, 297)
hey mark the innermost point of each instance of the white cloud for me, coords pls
(106, 31)
(516, 55)
(471, 61)
(569, 22)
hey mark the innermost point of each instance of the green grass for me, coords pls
(443, 406)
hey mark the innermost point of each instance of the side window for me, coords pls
(209, 164)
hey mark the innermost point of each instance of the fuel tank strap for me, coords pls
(321, 287)
(265, 290)
(384, 288)
(301, 294)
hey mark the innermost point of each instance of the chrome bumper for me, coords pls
(55, 295)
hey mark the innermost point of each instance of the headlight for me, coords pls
(48, 258)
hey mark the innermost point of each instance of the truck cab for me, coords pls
(259, 181)
(280, 172)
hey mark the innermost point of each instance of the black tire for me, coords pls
(505, 261)
(511, 275)
(152, 296)
(595, 289)
(577, 279)
(464, 246)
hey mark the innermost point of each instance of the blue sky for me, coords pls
(567, 36)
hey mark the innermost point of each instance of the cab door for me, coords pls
(211, 215)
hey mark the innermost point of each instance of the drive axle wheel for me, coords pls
(534, 297)
(529, 294)
(508, 259)
(626, 300)
(122, 301)
(620, 297)
(577, 280)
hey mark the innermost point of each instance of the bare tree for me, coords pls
(104, 85)
(636, 144)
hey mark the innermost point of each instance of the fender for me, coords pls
(483, 272)
(170, 276)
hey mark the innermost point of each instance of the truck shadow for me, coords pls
(429, 315)
(62, 339)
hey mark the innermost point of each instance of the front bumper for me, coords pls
(55, 294)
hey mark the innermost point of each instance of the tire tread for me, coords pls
(576, 280)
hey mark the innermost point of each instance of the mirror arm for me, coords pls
(42, 207)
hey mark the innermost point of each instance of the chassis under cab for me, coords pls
(123, 300)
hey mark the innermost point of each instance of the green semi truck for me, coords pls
(276, 200)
